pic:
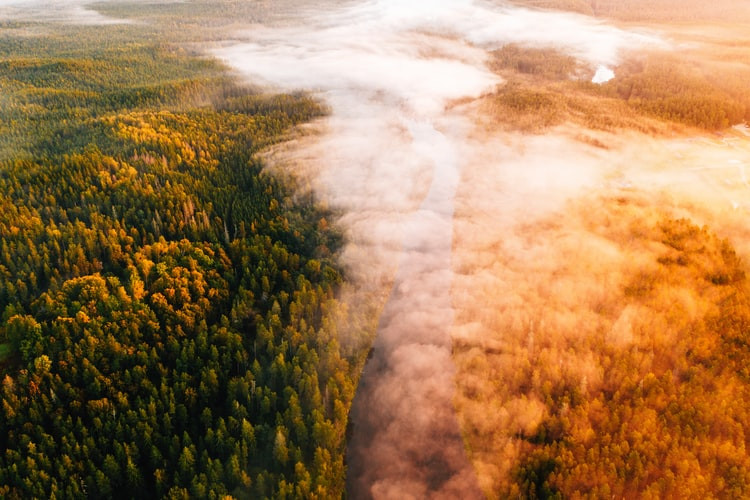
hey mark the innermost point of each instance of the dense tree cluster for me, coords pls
(546, 63)
(53, 81)
(685, 92)
(626, 376)
(669, 419)
(546, 88)
(169, 326)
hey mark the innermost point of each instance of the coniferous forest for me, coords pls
(168, 311)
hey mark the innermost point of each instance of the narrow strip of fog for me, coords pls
(391, 159)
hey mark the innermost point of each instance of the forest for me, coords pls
(603, 350)
(171, 314)
(653, 92)
(169, 311)
(626, 375)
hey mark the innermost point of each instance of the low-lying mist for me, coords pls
(565, 290)
(397, 145)
(453, 217)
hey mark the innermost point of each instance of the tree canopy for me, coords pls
(169, 320)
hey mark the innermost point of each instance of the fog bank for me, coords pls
(391, 157)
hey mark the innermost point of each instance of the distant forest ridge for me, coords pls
(650, 10)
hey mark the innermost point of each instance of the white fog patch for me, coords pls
(603, 74)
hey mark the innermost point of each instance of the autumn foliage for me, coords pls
(625, 376)
(169, 322)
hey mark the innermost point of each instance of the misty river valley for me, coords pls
(371, 249)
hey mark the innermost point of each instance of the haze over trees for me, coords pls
(602, 350)
(653, 92)
(628, 380)
(171, 321)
